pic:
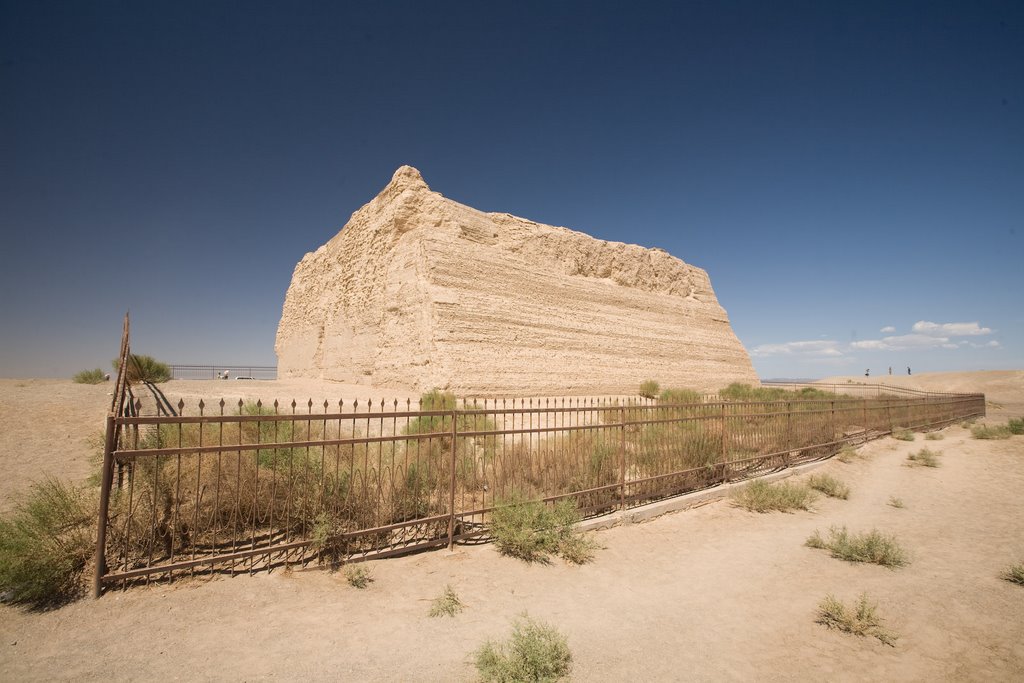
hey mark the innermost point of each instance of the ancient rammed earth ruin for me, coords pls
(418, 291)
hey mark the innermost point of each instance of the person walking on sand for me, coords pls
(867, 373)
(908, 369)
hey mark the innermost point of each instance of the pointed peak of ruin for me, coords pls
(407, 177)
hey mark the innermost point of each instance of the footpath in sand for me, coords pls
(708, 594)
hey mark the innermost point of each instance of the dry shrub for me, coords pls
(447, 604)
(1015, 574)
(902, 434)
(872, 547)
(924, 458)
(934, 436)
(829, 485)
(649, 388)
(534, 652)
(991, 432)
(533, 531)
(762, 496)
(860, 620)
(46, 544)
(358, 576)
(96, 376)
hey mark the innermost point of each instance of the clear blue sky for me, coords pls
(851, 175)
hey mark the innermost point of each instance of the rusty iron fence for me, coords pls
(246, 486)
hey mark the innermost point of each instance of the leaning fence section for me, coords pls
(244, 486)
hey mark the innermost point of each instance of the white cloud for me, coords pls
(987, 345)
(950, 329)
(822, 348)
(887, 329)
(902, 342)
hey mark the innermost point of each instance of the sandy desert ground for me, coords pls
(707, 594)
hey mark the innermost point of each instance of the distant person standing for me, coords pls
(890, 369)
(867, 373)
(908, 369)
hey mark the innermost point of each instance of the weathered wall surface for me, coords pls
(419, 291)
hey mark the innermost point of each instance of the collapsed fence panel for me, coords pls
(243, 487)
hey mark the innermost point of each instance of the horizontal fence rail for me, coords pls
(245, 486)
(179, 371)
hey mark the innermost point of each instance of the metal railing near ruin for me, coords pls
(179, 371)
(241, 487)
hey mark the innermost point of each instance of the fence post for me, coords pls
(622, 457)
(725, 451)
(451, 499)
(106, 481)
(789, 433)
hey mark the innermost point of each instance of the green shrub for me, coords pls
(358, 576)
(96, 376)
(872, 547)
(934, 436)
(903, 434)
(447, 604)
(1016, 426)
(860, 620)
(761, 496)
(46, 543)
(1015, 573)
(649, 388)
(896, 502)
(532, 531)
(145, 369)
(829, 485)
(923, 458)
(991, 432)
(534, 652)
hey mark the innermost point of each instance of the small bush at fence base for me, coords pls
(46, 544)
(534, 652)
(903, 434)
(762, 496)
(533, 531)
(991, 432)
(358, 576)
(861, 620)
(1016, 426)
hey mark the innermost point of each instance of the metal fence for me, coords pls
(241, 487)
(179, 371)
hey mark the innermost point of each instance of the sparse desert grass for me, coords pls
(358, 576)
(902, 434)
(762, 496)
(934, 436)
(447, 604)
(649, 388)
(534, 652)
(1016, 426)
(533, 531)
(896, 502)
(96, 376)
(1015, 573)
(924, 458)
(967, 424)
(991, 432)
(873, 547)
(829, 485)
(860, 620)
(46, 544)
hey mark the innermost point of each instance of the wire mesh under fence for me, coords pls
(244, 486)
